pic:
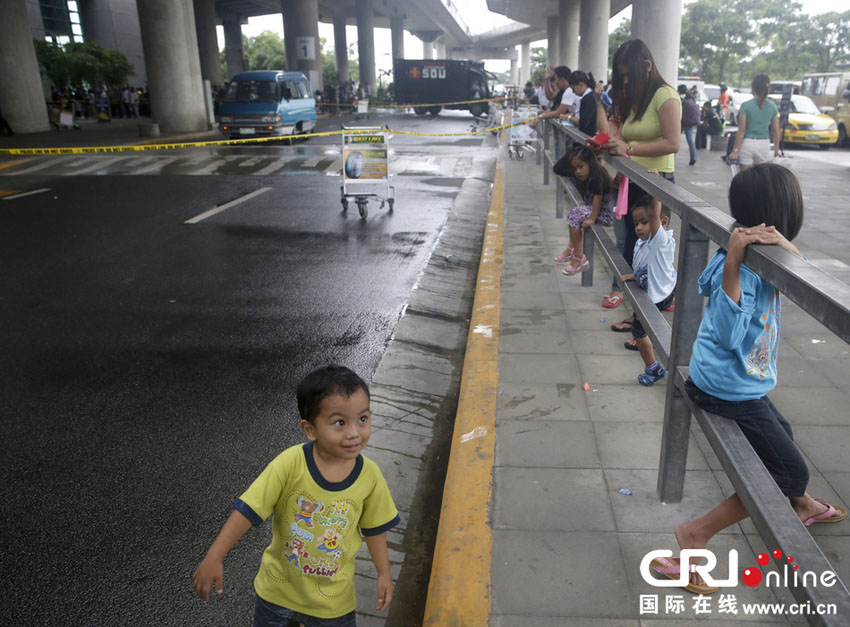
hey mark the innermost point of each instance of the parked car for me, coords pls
(830, 91)
(806, 123)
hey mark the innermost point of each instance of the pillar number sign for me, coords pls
(306, 48)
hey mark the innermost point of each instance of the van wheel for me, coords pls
(420, 110)
(842, 136)
(477, 109)
(434, 110)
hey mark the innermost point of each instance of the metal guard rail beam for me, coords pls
(817, 293)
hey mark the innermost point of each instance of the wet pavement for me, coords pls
(148, 364)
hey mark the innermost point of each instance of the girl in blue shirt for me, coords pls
(733, 365)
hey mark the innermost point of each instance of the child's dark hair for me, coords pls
(582, 77)
(323, 382)
(598, 182)
(767, 193)
(643, 202)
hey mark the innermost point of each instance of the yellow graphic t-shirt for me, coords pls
(309, 565)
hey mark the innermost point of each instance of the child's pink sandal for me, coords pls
(565, 258)
(581, 267)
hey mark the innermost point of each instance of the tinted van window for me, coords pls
(251, 91)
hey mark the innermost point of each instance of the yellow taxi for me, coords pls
(806, 123)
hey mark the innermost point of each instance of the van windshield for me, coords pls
(251, 91)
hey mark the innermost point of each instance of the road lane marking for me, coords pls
(101, 164)
(10, 164)
(40, 166)
(227, 205)
(156, 166)
(271, 168)
(29, 193)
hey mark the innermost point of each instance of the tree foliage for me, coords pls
(622, 33)
(538, 64)
(732, 40)
(266, 51)
(82, 63)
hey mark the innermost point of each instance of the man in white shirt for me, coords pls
(542, 99)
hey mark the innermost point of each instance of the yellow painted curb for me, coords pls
(459, 589)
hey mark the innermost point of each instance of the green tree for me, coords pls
(266, 51)
(622, 33)
(538, 64)
(827, 39)
(82, 63)
(715, 33)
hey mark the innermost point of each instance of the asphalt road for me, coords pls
(148, 365)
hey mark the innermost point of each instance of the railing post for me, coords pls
(587, 249)
(693, 250)
(546, 132)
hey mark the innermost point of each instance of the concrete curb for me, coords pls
(459, 589)
(415, 390)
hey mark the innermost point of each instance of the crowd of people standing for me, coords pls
(734, 358)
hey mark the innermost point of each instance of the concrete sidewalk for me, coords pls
(566, 542)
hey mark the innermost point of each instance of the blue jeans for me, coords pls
(689, 135)
(270, 615)
(768, 433)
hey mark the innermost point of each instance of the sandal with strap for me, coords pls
(566, 258)
(583, 265)
(832, 514)
(612, 302)
(624, 326)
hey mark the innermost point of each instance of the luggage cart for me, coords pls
(365, 168)
(362, 109)
(523, 136)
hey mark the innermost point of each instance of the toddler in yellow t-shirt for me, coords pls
(323, 494)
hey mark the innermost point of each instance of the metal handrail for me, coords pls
(817, 293)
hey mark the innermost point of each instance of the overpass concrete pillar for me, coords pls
(233, 53)
(659, 24)
(341, 49)
(593, 51)
(552, 44)
(427, 49)
(115, 25)
(366, 44)
(514, 77)
(397, 33)
(21, 95)
(568, 32)
(173, 64)
(525, 62)
(207, 41)
(301, 39)
(439, 50)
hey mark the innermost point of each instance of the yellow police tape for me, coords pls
(231, 142)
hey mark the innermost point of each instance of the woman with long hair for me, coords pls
(647, 112)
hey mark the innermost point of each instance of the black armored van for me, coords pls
(426, 84)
